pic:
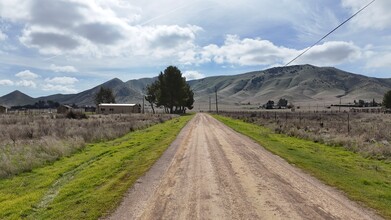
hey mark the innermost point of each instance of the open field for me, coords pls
(362, 179)
(367, 134)
(29, 141)
(89, 184)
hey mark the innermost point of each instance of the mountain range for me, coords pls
(297, 84)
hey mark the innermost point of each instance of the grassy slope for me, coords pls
(89, 184)
(364, 180)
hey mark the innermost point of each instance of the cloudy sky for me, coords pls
(67, 46)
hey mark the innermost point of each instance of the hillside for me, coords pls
(301, 84)
(16, 98)
(298, 84)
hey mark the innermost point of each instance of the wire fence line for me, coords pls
(359, 132)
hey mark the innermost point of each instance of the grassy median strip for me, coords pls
(364, 180)
(88, 184)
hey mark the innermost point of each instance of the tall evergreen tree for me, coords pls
(105, 95)
(387, 99)
(171, 92)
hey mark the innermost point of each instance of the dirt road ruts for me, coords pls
(212, 172)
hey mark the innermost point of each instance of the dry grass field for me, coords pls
(29, 141)
(367, 134)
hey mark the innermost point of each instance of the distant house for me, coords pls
(367, 110)
(106, 108)
(63, 109)
(3, 109)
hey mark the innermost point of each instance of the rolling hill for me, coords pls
(16, 98)
(298, 84)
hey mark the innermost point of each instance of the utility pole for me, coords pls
(340, 102)
(210, 104)
(143, 97)
(217, 106)
(143, 105)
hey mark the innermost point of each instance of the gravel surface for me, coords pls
(212, 172)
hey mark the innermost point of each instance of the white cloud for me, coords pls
(63, 69)
(26, 83)
(59, 88)
(379, 60)
(98, 29)
(49, 40)
(134, 35)
(164, 41)
(376, 16)
(6, 82)
(15, 10)
(2, 36)
(26, 75)
(190, 75)
(62, 80)
(252, 52)
(246, 51)
(331, 53)
(167, 37)
(122, 9)
(109, 29)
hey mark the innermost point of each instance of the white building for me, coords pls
(113, 108)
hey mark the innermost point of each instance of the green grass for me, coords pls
(89, 184)
(364, 180)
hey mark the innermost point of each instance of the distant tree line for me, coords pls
(41, 104)
(282, 103)
(362, 103)
(170, 91)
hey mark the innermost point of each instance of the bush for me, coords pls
(76, 115)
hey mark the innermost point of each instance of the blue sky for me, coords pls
(67, 46)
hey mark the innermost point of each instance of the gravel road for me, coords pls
(212, 172)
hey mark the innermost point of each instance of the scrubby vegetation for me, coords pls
(362, 179)
(367, 134)
(76, 115)
(91, 183)
(29, 141)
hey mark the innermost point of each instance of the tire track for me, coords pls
(212, 172)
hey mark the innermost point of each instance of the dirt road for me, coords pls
(212, 172)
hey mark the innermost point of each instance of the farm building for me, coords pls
(368, 110)
(63, 109)
(106, 108)
(3, 109)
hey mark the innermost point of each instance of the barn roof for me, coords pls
(66, 106)
(116, 105)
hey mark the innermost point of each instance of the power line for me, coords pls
(329, 33)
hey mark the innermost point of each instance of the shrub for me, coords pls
(76, 115)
